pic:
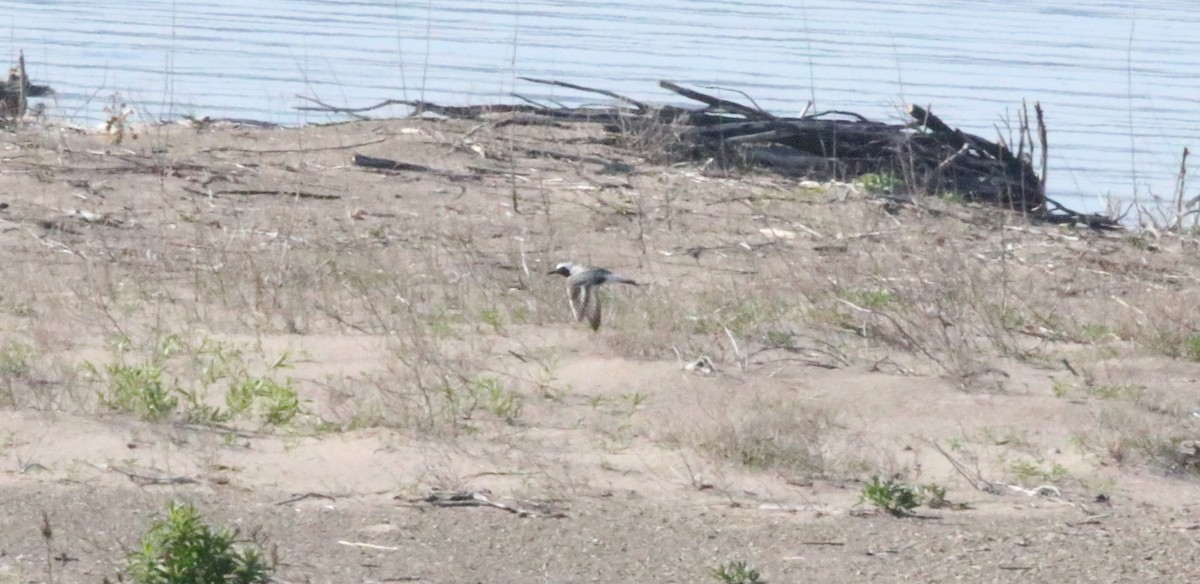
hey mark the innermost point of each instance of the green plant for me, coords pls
(870, 298)
(546, 376)
(1029, 470)
(197, 411)
(740, 318)
(442, 322)
(277, 400)
(14, 359)
(520, 314)
(737, 572)
(502, 402)
(1095, 333)
(933, 495)
(879, 182)
(952, 197)
(14, 366)
(780, 339)
(182, 549)
(280, 400)
(1191, 347)
(138, 389)
(895, 497)
(808, 193)
(636, 399)
(1127, 391)
(492, 318)
(771, 435)
(1061, 387)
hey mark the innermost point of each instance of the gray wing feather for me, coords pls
(591, 308)
(577, 296)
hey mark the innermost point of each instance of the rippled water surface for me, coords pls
(1118, 79)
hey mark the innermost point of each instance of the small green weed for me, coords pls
(870, 298)
(1095, 333)
(14, 359)
(443, 322)
(14, 366)
(739, 318)
(141, 388)
(891, 495)
(952, 197)
(546, 376)
(809, 193)
(737, 572)
(780, 339)
(879, 182)
(494, 319)
(138, 389)
(1026, 471)
(1061, 387)
(635, 399)
(1191, 347)
(1122, 391)
(502, 402)
(278, 400)
(520, 314)
(182, 549)
(933, 496)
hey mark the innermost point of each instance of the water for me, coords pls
(1117, 78)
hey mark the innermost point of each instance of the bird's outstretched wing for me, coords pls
(576, 296)
(585, 303)
(591, 308)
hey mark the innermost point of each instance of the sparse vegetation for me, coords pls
(1026, 470)
(871, 298)
(769, 436)
(430, 327)
(144, 387)
(1192, 347)
(15, 359)
(500, 401)
(879, 182)
(182, 549)
(933, 495)
(1122, 391)
(891, 495)
(737, 572)
(1061, 387)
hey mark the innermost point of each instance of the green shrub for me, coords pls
(895, 497)
(182, 549)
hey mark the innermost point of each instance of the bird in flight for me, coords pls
(583, 283)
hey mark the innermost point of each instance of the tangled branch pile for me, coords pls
(928, 155)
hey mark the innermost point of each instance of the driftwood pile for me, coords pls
(926, 154)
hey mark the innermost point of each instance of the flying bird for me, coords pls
(583, 283)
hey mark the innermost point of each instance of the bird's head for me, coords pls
(563, 269)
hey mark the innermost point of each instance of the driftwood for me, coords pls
(522, 508)
(389, 165)
(15, 91)
(926, 153)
